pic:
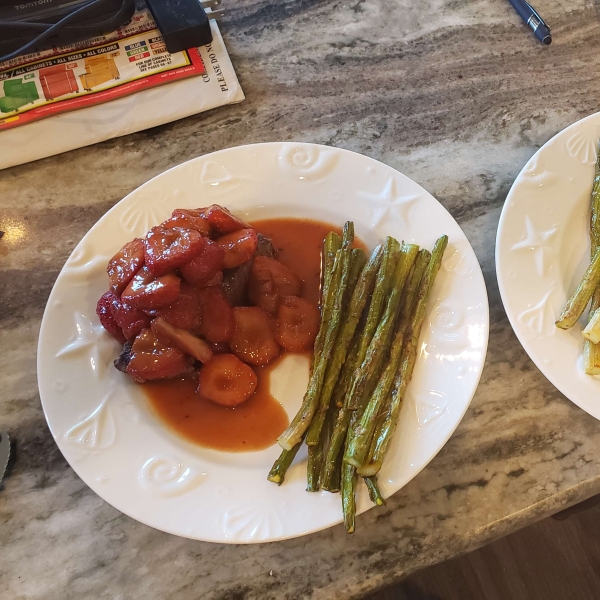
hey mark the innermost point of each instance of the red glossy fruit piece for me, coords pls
(185, 312)
(168, 249)
(124, 265)
(205, 266)
(151, 359)
(190, 219)
(222, 220)
(131, 320)
(195, 213)
(238, 247)
(219, 347)
(270, 279)
(266, 301)
(254, 339)
(107, 319)
(218, 323)
(297, 323)
(192, 212)
(182, 339)
(147, 291)
(226, 380)
(216, 280)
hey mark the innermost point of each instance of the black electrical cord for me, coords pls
(48, 32)
(121, 11)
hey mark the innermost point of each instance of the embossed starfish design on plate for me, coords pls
(102, 422)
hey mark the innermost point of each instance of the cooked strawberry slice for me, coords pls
(107, 319)
(168, 249)
(147, 291)
(270, 279)
(131, 320)
(254, 339)
(297, 323)
(238, 246)
(222, 220)
(205, 266)
(219, 347)
(124, 265)
(226, 380)
(268, 302)
(185, 312)
(151, 359)
(187, 219)
(182, 339)
(195, 213)
(215, 281)
(218, 323)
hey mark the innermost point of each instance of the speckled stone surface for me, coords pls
(456, 95)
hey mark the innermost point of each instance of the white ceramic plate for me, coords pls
(102, 422)
(542, 252)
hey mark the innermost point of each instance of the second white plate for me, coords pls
(542, 252)
(101, 420)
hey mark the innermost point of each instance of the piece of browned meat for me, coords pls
(235, 281)
(265, 247)
(124, 358)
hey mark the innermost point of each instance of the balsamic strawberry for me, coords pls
(193, 213)
(238, 246)
(131, 320)
(185, 312)
(226, 380)
(222, 221)
(168, 249)
(107, 319)
(205, 266)
(188, 219)
(124, 265)
(147, 291)
(254, 339)
(218, 323)
(297, 323)
(152, 359)
(217, 280)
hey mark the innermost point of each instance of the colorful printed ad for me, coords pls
(75, 79)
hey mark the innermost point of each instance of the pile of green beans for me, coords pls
(372, 311)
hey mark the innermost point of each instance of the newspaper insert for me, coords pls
(149, 107)
(68, 78)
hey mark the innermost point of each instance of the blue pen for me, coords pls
(540, 28)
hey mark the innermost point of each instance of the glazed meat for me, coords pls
(124, 358)
(265, 247)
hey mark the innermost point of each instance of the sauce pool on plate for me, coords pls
(256, 423)
(252, 425)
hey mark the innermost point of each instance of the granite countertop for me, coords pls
(456, 95)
